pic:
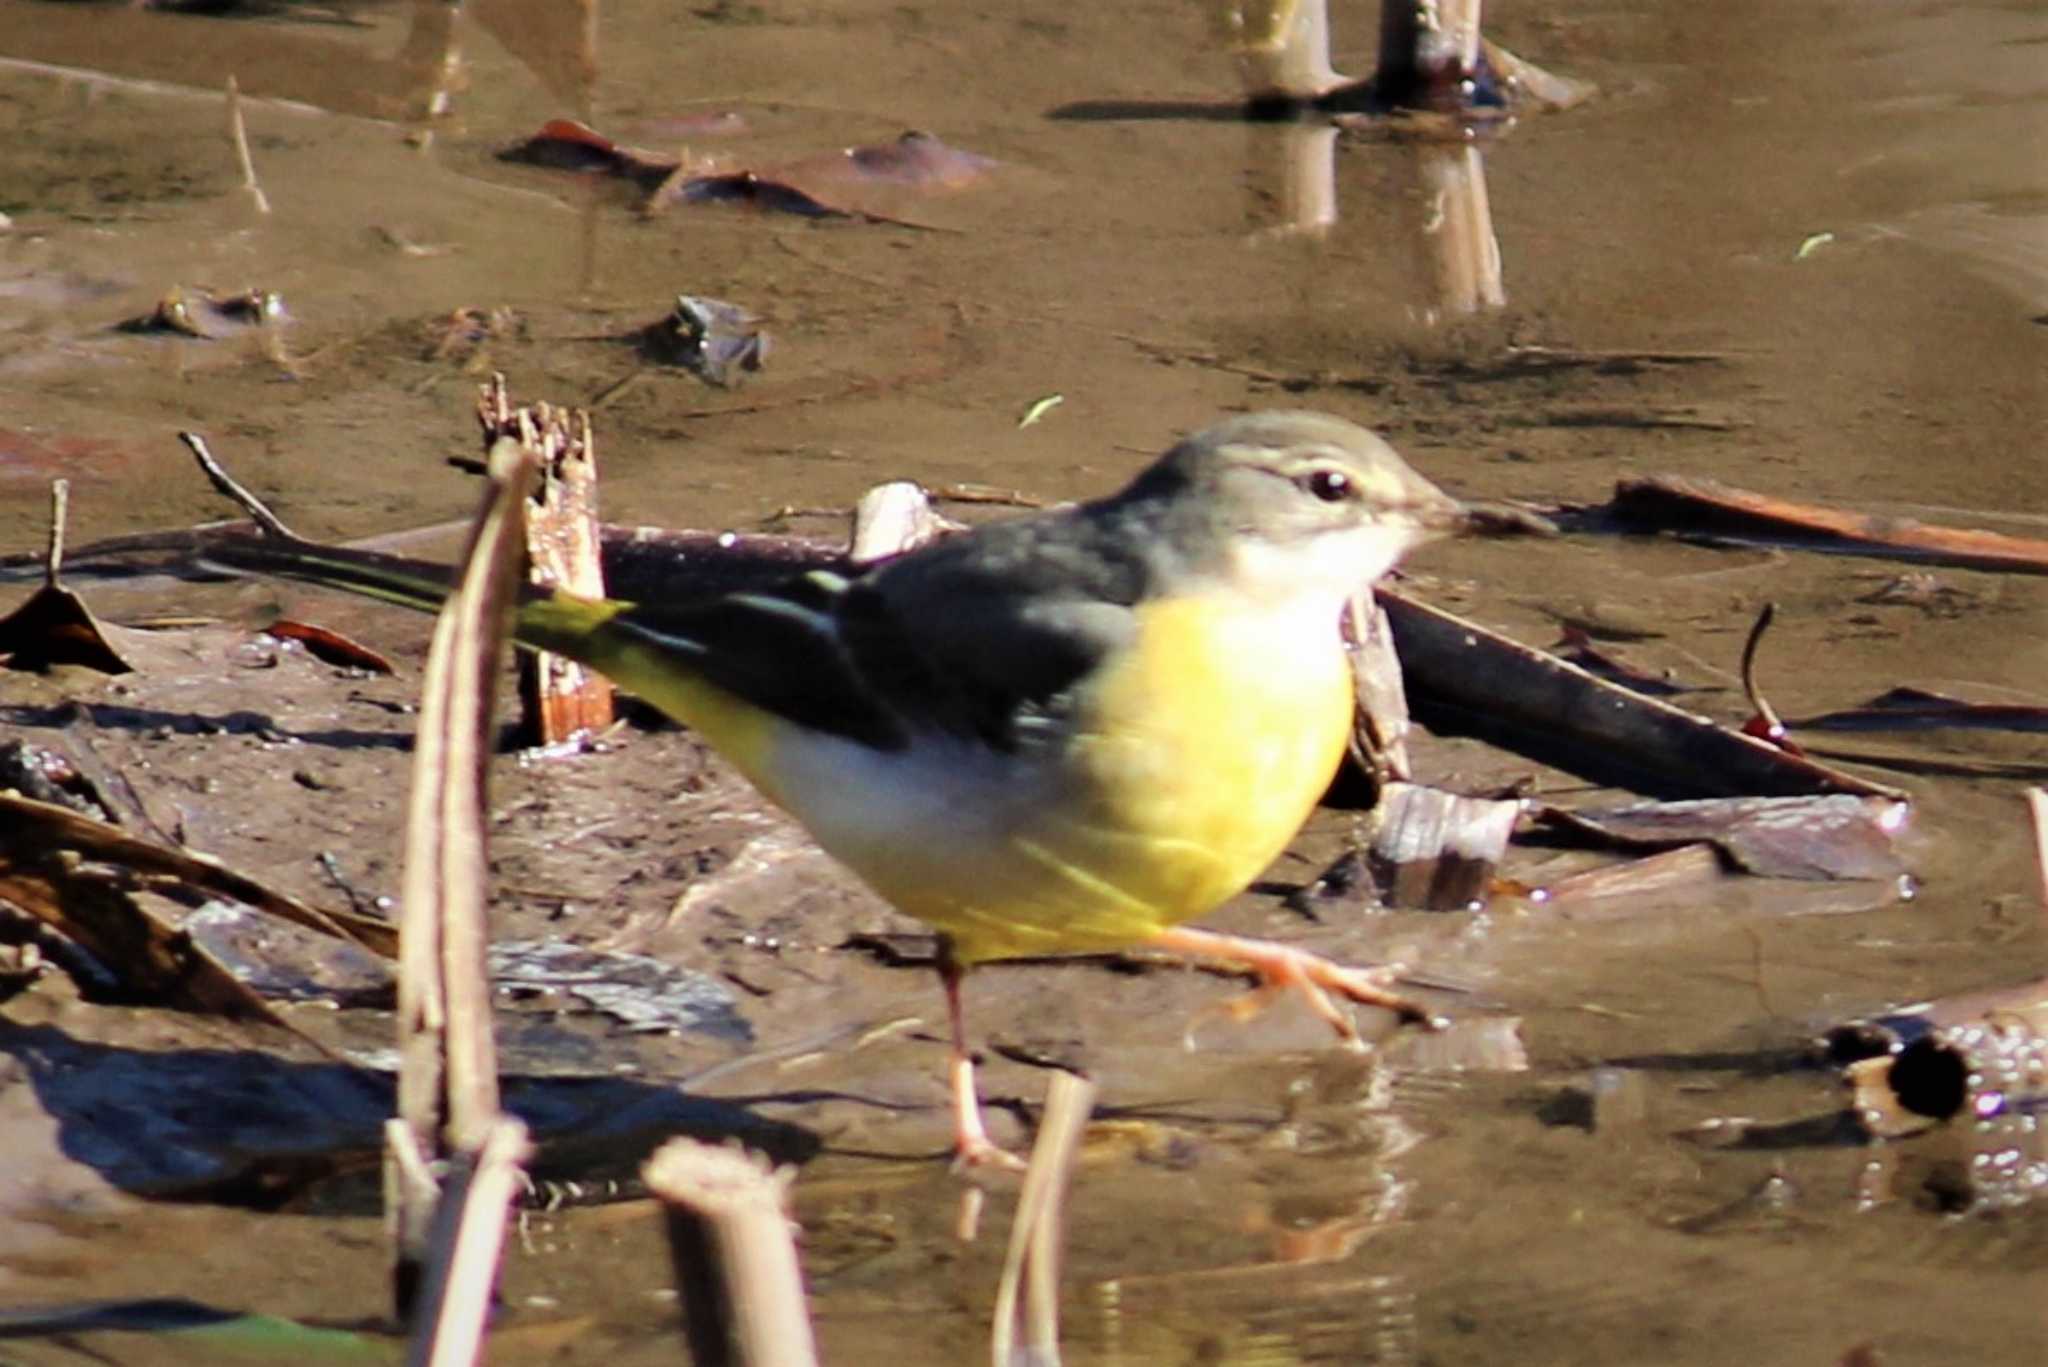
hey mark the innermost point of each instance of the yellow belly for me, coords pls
(1190, 767)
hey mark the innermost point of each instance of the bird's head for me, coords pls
(1292, 501)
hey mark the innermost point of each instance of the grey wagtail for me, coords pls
(1070, 731)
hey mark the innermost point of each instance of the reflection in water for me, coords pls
(1446, 215)
(1299, 183)
(1266, 1316)
(356, 68)
(1283, 59)
(1458, 229)
(1284, 1285)
(556, 42)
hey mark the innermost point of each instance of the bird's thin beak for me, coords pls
(1501, 519)
(1446, 517)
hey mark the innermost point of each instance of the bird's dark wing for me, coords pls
(983, 635)
(986, 635)
(780, 649)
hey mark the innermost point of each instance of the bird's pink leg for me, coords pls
(972, 1147)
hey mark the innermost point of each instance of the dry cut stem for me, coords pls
(757, 1289)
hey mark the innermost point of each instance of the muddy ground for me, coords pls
(1256, 1198)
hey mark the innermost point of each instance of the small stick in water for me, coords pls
(238, 133)
(258, 511)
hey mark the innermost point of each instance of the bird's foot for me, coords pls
(1283, 968)
(972, 1148)
(979, 1151)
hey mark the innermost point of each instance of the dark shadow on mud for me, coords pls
(1154, 111)
(243, 1127)
(1752, 1063)
(237, 723)
(1833, 1130)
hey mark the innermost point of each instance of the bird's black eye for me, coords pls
(1331, 486)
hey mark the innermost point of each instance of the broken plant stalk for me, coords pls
(1429, 52)
(561, 699)
(2037, 814)
(735, 1258)
(448, 1084)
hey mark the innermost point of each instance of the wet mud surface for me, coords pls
(1667, 1180)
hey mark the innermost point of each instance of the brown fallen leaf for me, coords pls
(53, 867)
(329, 646)
(566, 145)
(869, 182)
(1686, 506)
(1838, 835)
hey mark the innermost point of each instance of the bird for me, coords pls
(1069, 731)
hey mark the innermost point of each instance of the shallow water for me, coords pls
(1138, 262)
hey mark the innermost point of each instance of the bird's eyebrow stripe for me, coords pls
(1291, 466)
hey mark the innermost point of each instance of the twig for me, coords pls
(97, 81)
(239, 134)
(1680, 418)
(359, 902)
(1534, 356)
(1774, 726)
(988, 493)
(671, 188)
(257, 510)
(60, 504)
(604, 397)
(757, 1293)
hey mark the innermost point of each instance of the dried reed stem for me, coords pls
(752, 1311)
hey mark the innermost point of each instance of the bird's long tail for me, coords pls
(738, 669)
(544, 620)
(420, 584)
